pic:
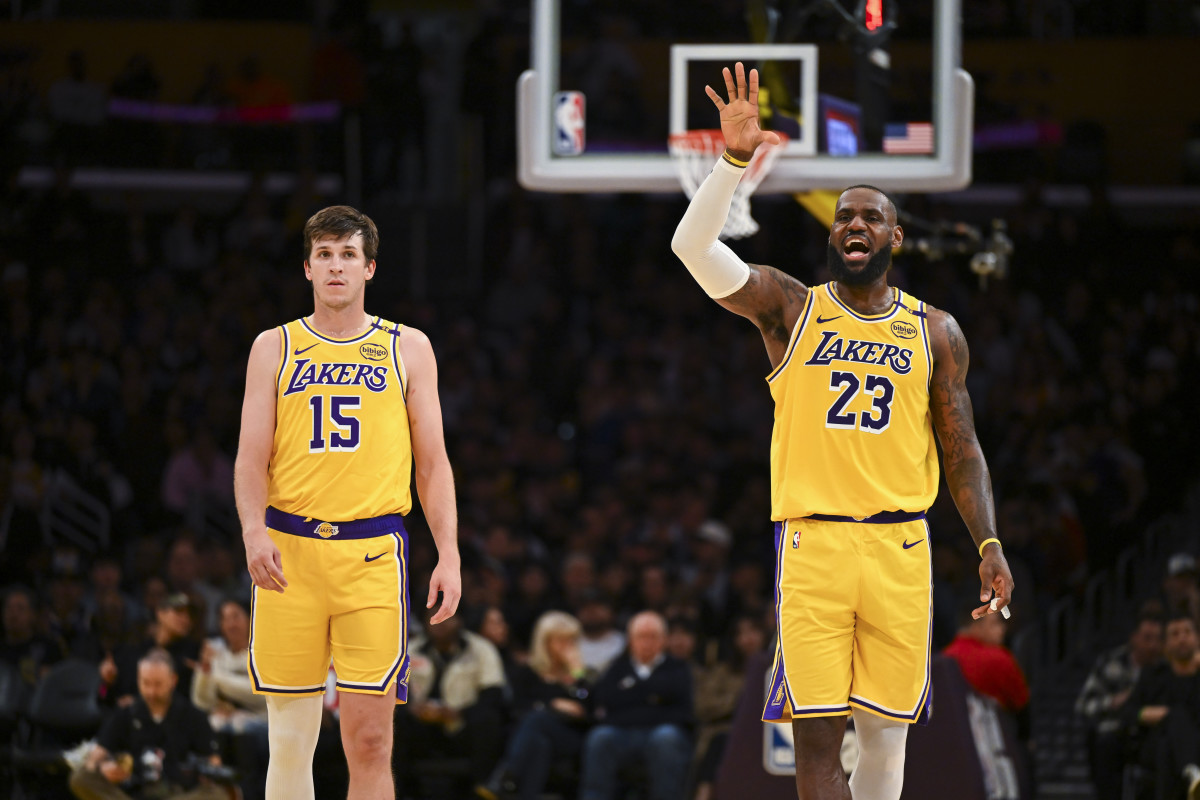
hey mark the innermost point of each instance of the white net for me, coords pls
(695, 152)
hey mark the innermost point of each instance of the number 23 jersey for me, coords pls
(342, 446)
(853, 433)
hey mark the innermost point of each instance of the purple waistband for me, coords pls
(875, 519)
(368, 528)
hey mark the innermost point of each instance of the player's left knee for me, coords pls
(881, 739)
(368, 743)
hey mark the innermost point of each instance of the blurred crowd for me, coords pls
(607, 423)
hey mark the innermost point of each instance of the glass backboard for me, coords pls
(887, 105)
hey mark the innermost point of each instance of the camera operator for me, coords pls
(148, 749)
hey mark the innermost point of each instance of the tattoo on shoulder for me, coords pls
(767, 311)
(957, 343)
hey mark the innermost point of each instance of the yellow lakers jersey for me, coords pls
(853, 433)
(342, 447)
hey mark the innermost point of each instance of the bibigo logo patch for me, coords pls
(905, 330)
(373, 352)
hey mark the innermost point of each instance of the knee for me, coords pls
(368, 743)
(532, 731)
(668, 739)
(602, 739)
(818, 740)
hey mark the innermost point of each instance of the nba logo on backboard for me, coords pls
(569, 123)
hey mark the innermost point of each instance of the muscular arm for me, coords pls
(966, 469)
(769, 298)
(435, 479)
(772, 300)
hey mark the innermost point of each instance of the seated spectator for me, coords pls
(22, 647)
(1163, 712)
(110, 628)
(1181, 585)
(221, 687)
(143, 750)
(1104, 693)
(577, 578)
(549, 695)
(718, 690)
(65, 616)
(492, 626)
(532, 594)
(600, 642)
(171, 632)
(185, 574)
(682, 639)
(989, 667)
(707, 577)
(455, 701)
(643, 708)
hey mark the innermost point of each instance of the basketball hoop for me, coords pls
(695, 152)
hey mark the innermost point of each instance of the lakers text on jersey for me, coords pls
(343, 401)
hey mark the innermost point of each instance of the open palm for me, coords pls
(739, 116)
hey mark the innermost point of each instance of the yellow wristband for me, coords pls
(986, 542)
(737, 162)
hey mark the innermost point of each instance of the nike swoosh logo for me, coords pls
(907, 544)
(298, 351)
(372, 558)
(822, 320)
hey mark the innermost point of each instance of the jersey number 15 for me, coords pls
(345, 436)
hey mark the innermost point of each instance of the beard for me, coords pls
(876, 265)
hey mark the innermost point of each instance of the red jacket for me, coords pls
(991, 670)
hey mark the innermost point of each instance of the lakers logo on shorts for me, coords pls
(778, 695)
(325, 530)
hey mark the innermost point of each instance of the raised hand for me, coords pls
(739, 116)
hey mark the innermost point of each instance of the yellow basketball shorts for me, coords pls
(346, 600)
(853, 606)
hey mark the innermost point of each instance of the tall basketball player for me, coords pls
(863, 376)
(340, 407)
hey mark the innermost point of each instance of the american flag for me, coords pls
(908, 138)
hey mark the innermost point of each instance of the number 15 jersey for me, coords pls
(853, 434)
(342, 446)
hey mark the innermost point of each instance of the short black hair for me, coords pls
(890, 200)
(1177, 616)
(238, 600)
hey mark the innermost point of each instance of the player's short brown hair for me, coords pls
(341, 221)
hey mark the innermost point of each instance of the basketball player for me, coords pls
(863, 375)
(340, 407)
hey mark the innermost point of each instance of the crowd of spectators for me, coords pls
(607, 424)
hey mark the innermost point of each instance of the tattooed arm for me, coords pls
(772, 300)
(966, 470)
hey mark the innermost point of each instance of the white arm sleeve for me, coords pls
(715, 267)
